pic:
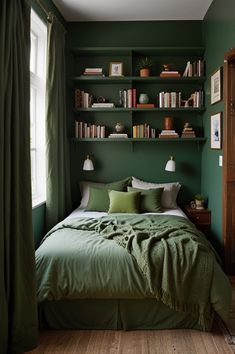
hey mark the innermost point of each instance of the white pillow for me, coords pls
(85, 191)
(169, 194)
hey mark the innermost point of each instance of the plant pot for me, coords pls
(144, 72)
(199, 204)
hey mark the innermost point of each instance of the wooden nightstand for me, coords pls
(201, 218)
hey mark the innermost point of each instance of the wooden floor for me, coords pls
(135, 342)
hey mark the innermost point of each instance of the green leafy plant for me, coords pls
(199, 197)
(144, 63)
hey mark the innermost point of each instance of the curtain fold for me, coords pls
(58, 203)
(18, 309)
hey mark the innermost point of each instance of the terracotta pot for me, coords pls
(144, 72)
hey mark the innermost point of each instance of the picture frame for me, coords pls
(116, 69)
(216, 133)
(216, 89)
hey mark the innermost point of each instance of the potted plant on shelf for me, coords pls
(199, 201)
(144, 66)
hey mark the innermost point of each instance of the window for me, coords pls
(37, 108)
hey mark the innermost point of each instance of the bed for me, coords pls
(100, 271)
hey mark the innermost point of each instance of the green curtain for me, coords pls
(58, 203)
(18, 310)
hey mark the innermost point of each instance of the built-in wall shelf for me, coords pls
(121, 109)
(148, 140)
(138, 79)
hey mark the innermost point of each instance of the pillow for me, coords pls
(124, 202)
(85, 185)
(98, 199)
(150, 199)
(169, 194)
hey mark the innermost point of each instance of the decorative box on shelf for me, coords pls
(201, 218)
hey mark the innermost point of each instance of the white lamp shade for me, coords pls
(170, 165)
(88, 164)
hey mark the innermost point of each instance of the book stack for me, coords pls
(88, 130)
(195, 69)
(145, 105)
(103, 105)
(143, 131)
(118, 135)
(188, 132)
(93, 72)
(168, 134)
(169, 73)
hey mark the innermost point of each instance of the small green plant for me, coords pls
(199, 197)
(144, 63)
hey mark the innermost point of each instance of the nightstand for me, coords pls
(201, 218)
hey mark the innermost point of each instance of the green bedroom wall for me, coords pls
(114, 161)
(219, 37)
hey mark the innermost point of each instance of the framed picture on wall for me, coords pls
(216, 90)
(216, 139)
(116, 69)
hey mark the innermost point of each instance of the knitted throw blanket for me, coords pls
(174, 257)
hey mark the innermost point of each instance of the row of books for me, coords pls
(196, 69)
(143, 131)
(174, 100)
(127, 98)
(82, 99)
(88, 130)
(169, 99)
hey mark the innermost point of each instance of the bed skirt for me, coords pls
(112, 314)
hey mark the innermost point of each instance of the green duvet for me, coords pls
(134, 257)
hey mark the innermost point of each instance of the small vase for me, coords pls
(143, 98)
(168, 123)
(119, 128)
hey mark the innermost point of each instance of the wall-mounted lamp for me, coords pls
(88, 164)
(170, 165)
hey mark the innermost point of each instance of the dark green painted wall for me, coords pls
(219, 37)
(144, 160)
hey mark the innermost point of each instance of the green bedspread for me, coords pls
(162, 257)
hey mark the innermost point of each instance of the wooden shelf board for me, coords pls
(126, 140)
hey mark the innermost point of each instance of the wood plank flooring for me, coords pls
(135, 342)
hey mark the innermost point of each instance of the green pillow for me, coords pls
(150, 199)
(99, 197)
(124, 202)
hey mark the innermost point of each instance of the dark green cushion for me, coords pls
(150, 199)
(99, 197)
(124, 202)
